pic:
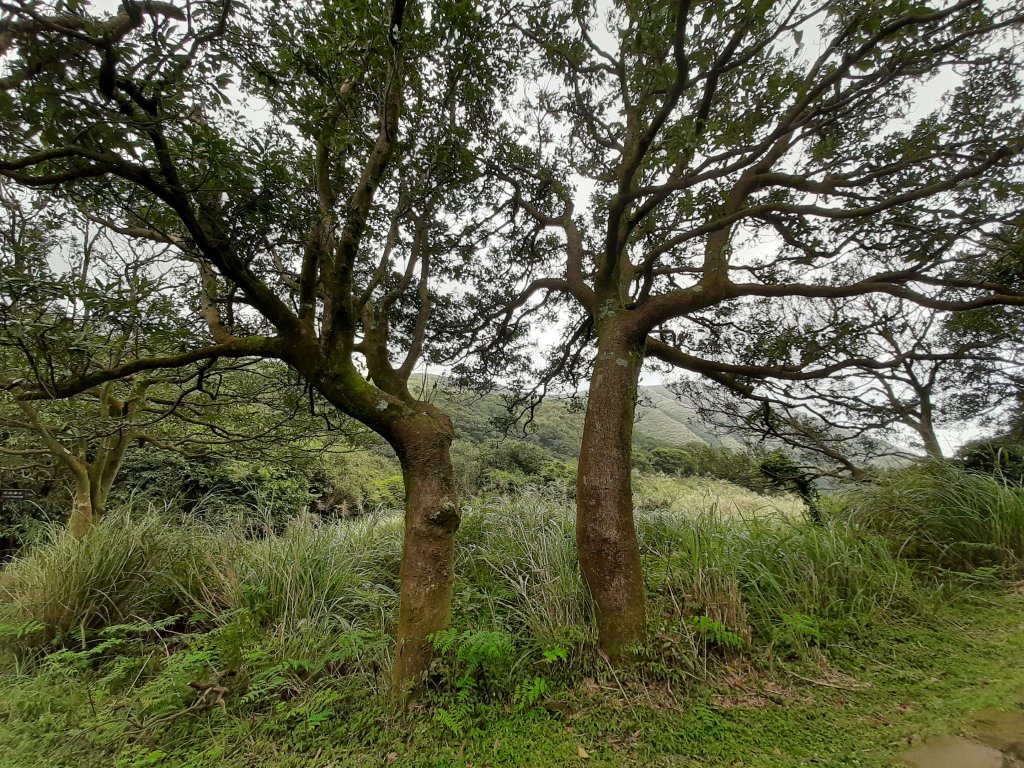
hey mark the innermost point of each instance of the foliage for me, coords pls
(555, 424)
(510, 466)
(1001, 456)
(747, 574)
(187, 629)
(691, 496)
(358, 482)
(696, 460)
(516, 563)
(21, 520)
(781, 471)
(888, 686)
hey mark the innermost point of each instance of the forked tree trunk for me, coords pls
(428, 556)
(605, 532)
(88, 505)
(93, 482)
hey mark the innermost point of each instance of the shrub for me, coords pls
(511, 466)
(699, 460)
(359, 482)
(212, 487)
(1002, 457)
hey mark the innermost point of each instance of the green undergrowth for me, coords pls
(773, 642)
(938, 515)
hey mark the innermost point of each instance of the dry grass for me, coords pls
(699, 495)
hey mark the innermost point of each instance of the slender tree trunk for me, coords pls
(605, 533)
(428, 557)
(83, 514)
(931, 441)
(924, 424)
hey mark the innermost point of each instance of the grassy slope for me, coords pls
(663, 420)
(895, 685)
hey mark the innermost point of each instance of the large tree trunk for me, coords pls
(605, 532)
(428, 557)
(421, 435)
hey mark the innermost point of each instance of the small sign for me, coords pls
(12, 494)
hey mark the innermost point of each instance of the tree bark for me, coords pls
(421, 435)
(931, 445)
(926, 429)
(83, 515)
(605, 532)
(428, 557)
(93, 483)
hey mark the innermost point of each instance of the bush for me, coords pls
(699, 460)
(942, 515)
(358, 482)
(1001, 457)
(213, 488)
(511, 466)
(20, 521)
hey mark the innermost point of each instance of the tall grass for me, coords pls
(517, 560)
(938, 514)
(132, 567)
(754, 572)
(699, 495)
(516, 566)
(337, 575)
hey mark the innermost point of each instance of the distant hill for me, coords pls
(661, 420)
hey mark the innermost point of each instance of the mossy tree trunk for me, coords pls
(421, 435)
(428, 556)
(605, 531)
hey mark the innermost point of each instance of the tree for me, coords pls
(904, 376)
(55, 324)
(316, 238)
(740, 155)
(76, 299)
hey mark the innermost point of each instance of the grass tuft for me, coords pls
(131, 567)
(938, 514)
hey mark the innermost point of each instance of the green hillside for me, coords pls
(557, 425)
(662, 419)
